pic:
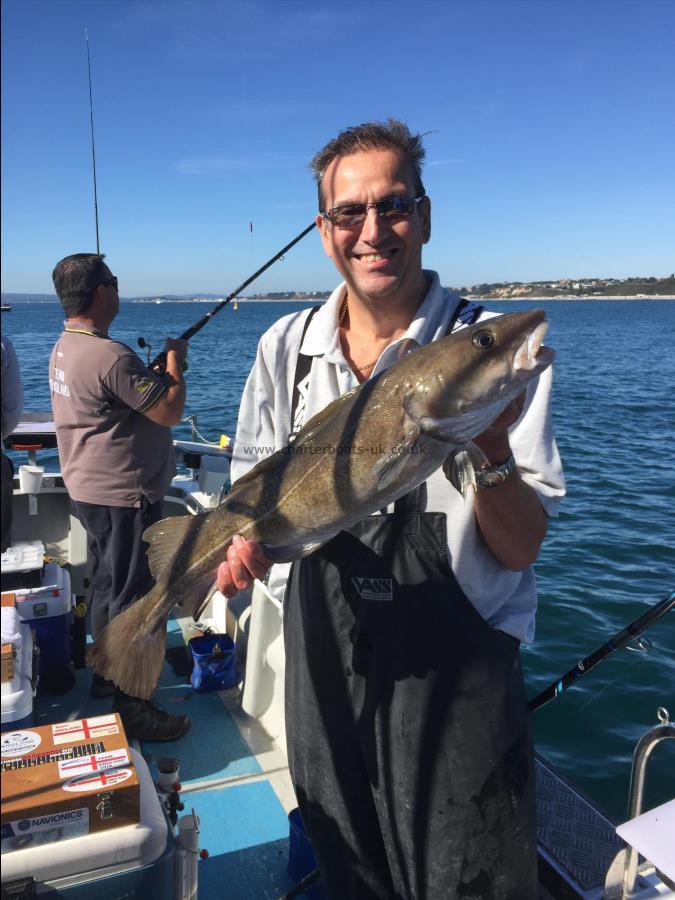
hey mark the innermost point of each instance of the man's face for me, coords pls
(377, 258)
(110, 294)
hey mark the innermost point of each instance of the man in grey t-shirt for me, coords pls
(113, 419)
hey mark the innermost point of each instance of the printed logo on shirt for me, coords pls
(381, 589)
(144, 385)
(57, 384)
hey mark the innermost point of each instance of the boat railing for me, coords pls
(662, 732)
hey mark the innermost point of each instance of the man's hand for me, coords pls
(180, 349)
(494, 441)
(245, 562)
(168, 410)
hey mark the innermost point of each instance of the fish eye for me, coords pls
(483, 339)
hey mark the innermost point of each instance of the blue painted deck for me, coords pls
(243, 825)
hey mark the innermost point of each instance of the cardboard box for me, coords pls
(7, 665)
(8, 654)
(66, 780)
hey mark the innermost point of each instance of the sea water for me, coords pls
(608, 557)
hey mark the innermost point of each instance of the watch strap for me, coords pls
(490, 476)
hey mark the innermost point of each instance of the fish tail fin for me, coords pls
(130, 650)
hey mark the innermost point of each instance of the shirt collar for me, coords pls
(77, 328)
(322, 337)
(430, 322)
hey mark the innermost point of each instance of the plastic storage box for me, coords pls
(48, 611)
(21, 565)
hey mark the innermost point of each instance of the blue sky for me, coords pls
(549, 154)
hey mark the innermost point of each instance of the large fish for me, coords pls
(363, 451)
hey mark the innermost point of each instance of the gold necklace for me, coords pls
(341, 317)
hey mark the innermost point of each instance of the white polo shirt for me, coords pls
(506, 600)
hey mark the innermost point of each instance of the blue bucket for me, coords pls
(214, 666)
(301, 859)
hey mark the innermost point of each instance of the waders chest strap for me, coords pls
(302, 368)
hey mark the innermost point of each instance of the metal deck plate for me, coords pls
(574, 837)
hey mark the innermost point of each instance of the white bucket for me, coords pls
(30, 479)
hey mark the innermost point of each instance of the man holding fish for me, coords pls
(408, 736)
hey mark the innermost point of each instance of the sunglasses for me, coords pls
(390, 208)
(109, 281)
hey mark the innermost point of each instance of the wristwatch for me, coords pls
(490, 476)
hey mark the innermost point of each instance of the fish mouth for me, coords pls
(532, 354)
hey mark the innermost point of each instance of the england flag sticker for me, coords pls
(97, 781)
(84, 729)
(97, 762)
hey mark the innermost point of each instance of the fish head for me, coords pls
(470, 377)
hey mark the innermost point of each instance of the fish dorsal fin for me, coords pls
(166, 537)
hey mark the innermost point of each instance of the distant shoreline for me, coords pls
(566, 298)
(242, 301)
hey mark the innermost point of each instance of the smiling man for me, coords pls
(408, 737)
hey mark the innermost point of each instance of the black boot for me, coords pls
(146, 720)
(101, 687)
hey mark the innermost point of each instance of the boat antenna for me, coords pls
(160, 361)
(93, 148)
(584, 666)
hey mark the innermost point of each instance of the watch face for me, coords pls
(490, 478)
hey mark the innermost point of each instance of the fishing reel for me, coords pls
(158, 364)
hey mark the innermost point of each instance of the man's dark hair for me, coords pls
(76, 278)
(389, 135)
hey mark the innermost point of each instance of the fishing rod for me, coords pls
(93, 149)
(584, 666)
(159, 363)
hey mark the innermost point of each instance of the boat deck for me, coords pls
(237, 783)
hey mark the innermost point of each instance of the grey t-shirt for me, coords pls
(115, 458)
(12, 392)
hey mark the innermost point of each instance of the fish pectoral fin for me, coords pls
(166, 537)
(461, 464)
(390, 466)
